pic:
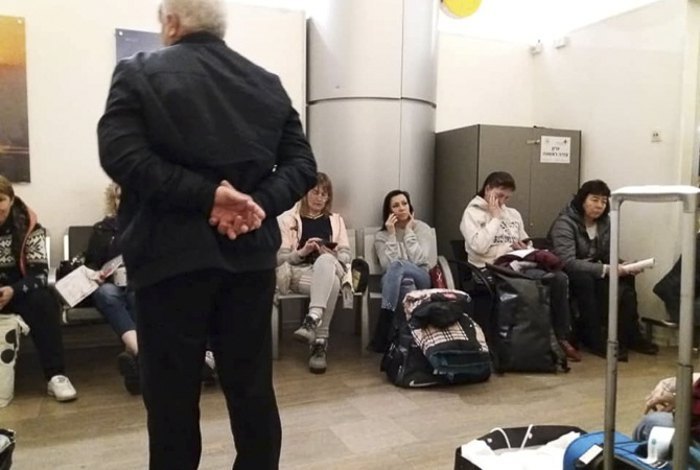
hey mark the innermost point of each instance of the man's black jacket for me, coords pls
(180, 120)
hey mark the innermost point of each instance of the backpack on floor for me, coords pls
(406, 364)
(523, 339)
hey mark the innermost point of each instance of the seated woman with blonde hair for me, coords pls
(316, 249)
(114, 298)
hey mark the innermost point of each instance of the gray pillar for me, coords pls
(371, 115)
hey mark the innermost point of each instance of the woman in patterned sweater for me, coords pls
(24, 290)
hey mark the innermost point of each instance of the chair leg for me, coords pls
(276, 328)
(364, 327)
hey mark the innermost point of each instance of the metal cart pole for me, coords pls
(688, 195)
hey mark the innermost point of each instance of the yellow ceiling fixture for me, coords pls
(460, 8)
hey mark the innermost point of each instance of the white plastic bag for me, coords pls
(11, 326)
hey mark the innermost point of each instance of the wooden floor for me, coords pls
(349, 418)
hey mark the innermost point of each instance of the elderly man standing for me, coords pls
(208, 151)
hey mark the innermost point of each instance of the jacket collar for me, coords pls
(200, 37)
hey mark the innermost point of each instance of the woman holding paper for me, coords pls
(23, 287)
(492, 229)
(580, 236)
(113, 299)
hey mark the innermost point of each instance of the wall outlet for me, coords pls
(655, 136)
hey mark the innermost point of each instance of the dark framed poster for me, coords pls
(130, 41)
(14, 117)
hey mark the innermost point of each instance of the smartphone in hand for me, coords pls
(329, 244)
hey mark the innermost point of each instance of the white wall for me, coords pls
(482, 81)
(618, 81)
(70, 58)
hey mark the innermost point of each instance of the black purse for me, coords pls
(7, 447)
(66, 267)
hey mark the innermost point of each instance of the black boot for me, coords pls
(382, 332)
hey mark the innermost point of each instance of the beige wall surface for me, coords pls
(70, 58)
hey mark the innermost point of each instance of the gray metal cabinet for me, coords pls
(465, 156)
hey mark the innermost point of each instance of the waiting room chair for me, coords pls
(374, 291)
(279, 299)
(75, 242)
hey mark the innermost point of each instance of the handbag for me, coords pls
(7, 447)
(66, 267)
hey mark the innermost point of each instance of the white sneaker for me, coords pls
(61, 389)
(209, 360)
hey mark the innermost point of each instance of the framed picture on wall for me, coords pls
(14, 118)
(130, 41)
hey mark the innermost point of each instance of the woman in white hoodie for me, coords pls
(492, 229)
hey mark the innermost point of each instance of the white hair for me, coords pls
(198, 15)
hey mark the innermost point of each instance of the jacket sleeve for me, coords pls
(478, 234)
(288, 251)
(418, 245)
(126, 156)
(343, 249)
(563, 237)
(387, 248)
(295, 173)
(37, 266)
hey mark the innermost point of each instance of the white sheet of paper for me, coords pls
(521, 253)
(555, 149)
(76, 286)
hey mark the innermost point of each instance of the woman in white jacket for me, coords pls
(492, 229)
(316, 251)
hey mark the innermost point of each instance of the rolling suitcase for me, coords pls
(619, 451)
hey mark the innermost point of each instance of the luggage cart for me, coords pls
(688, 196)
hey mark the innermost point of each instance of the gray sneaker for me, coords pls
(317, 359)
(306, 333)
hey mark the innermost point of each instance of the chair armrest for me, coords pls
(52, 277)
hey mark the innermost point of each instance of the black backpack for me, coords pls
(406, 365)
(523, 339)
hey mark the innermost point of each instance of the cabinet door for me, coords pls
(554, 177)
(506, 148)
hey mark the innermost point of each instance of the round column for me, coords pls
(371, 113)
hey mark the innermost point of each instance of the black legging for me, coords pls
(40, 310)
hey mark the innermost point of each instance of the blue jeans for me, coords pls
(116, 304)
(655, 418)
(397, 272)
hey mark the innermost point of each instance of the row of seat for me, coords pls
(76, 240)
(364, 239)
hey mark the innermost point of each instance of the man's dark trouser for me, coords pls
(175, 319)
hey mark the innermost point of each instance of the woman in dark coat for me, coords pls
(580, 236)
